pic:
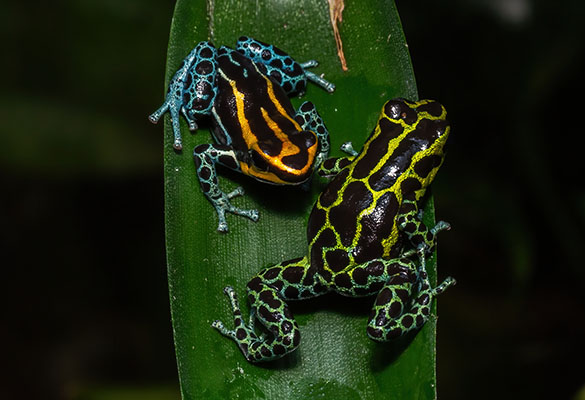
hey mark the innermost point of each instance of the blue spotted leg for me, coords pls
(206, 156)
(192, 90)
(289, 74)
(267, 293)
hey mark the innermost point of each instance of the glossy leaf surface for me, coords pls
(335, 358)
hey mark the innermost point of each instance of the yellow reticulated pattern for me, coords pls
(436, 148)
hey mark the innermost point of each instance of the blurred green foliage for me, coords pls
(81, 176)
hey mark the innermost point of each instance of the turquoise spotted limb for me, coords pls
(365, 234)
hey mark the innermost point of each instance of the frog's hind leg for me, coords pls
(268, 292)
(403, 305)
(281, 67)
(191, 91)
(206, 156)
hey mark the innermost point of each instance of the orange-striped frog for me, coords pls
(244, 92)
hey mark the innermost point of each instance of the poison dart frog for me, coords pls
(365, 237)
(243, 91)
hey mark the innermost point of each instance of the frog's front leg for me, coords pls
(191, 91)
(310, 120)
(281, 67)
(404, 305)
(206, 156)
(268, 292)
(409, 221)
(333, 166)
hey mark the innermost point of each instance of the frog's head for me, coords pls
(283, 162)
(425, 132)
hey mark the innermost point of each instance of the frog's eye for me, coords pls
(259, 161)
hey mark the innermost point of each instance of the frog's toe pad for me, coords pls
(222, 227)
(254, 215)
(154, 118)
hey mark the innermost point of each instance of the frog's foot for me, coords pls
(223, 205)
(254, 347)
(222, 225)
(319, 80)
(347, 148)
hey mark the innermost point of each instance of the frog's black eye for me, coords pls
(258, 161)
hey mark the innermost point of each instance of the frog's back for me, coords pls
(245, 97)
(354, 219)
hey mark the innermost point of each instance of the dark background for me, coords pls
(86, 313)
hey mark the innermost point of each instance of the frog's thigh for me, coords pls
(200, 87)
(409, 221)
(401, 306)
(267, 293)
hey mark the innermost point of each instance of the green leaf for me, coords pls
(335, 357)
